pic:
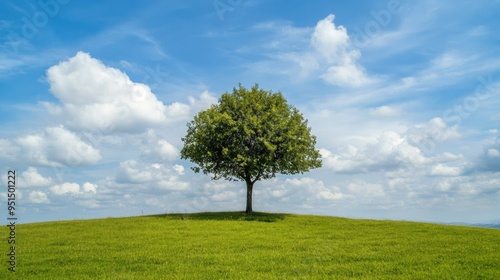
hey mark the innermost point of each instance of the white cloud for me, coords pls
(217, 185)
(485, 186)
(398, 183)
(490, 158)
(204, 101)
(57, 146)
(446, 157)
(329, 40)
(167, 181)
(364, 189)
(329, 195)
(155, 175)
(493, 153)
(449, 61)
(332, 43)
(38, 197)
(130, 171)
(153, 202)
(387, 151)
(179, 169)
(177, 111)
(444, 170)
(385, 111)
(305, 181)
(92, 204)
(8, 150)
(347, 75)
(31, 178)
(391, 150)
(436, 130)
(103, 99)
(327, 53)
(279, 193)
(71, 188)
(85, 191)
(160, 149)
(88, 187)
(224, 196)
(306, 187)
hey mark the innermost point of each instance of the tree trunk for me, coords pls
(249, 196)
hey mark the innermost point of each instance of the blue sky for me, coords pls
(402, 95)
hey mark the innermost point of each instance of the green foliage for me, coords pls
(250, 135)
(235, 245)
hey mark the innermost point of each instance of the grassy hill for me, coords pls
(232, 245)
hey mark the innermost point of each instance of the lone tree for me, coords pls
(250, 135)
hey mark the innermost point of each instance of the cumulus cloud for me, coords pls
(329, 195)
(179, 169)
(314, 189)
(332, 43)
(329, 40)
(157, 148)
(88, 187)
(298, 182)
(493, 153)
(71, 188)
(38, 197)
(325, 51)
(96, 97)
(435, 130)
(74, 189)
(347, 74)
(490, 158)
(444, 170)
(364, 189)
(56, 146)
(205, 100)
(31, 178)
(100, 98)
(387, 151)
(154, 175)
(153, 202)
(130, 172)
(217, 186)
(92, 204)
(392, 150)
(486, 186)
(482, 186)
(224, 196)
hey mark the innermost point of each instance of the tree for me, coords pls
(250, 135)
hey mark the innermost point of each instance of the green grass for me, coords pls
(259, 246)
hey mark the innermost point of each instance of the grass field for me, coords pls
(232, 245)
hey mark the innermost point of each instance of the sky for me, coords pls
(402, 95)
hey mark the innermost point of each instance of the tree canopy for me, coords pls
(250, 135)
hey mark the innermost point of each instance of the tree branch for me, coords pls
(257, 178)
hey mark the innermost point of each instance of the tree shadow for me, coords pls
(226, 216)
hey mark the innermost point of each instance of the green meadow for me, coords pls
(233, 245)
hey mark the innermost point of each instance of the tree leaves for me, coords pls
(250, 135)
